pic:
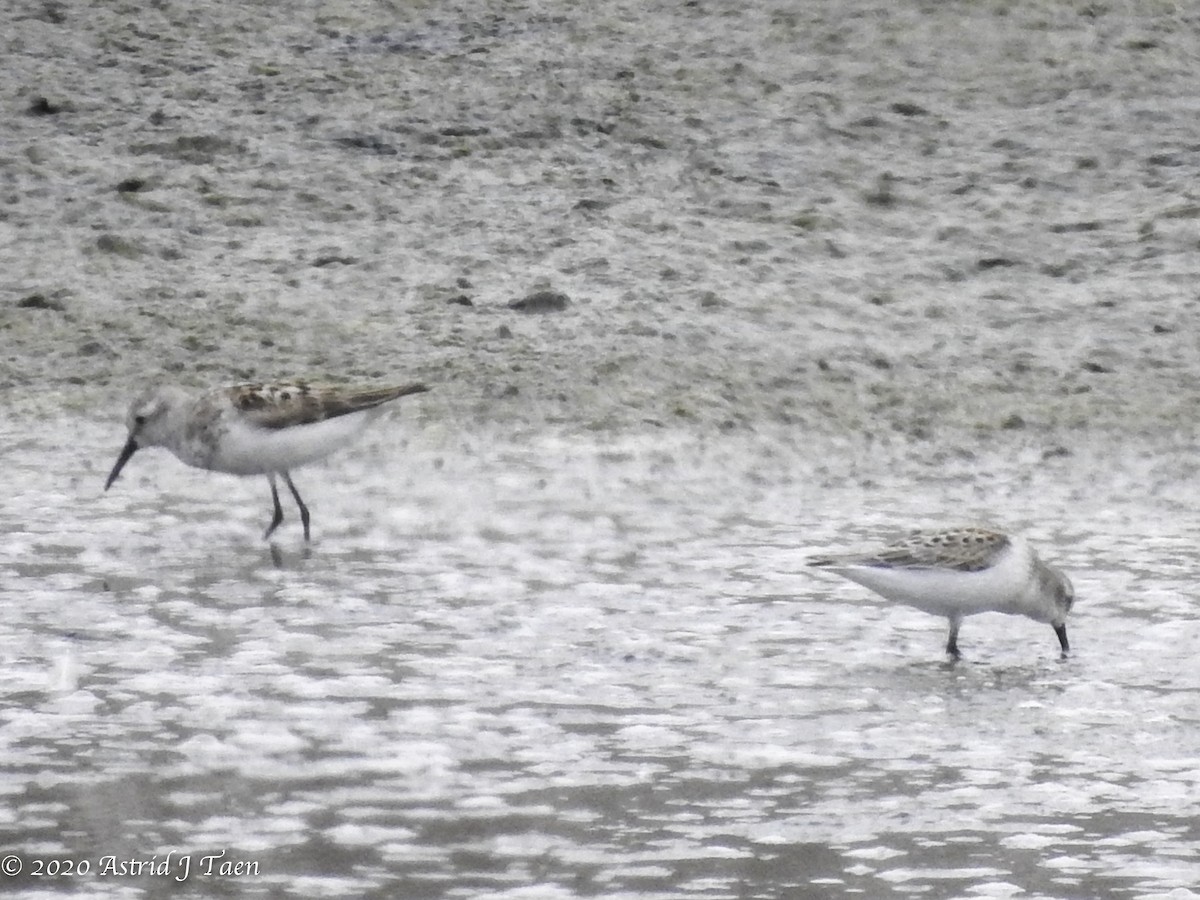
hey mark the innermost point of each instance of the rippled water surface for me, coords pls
(583, 669)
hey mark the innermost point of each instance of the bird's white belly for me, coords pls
(945, 592)
(247, 450)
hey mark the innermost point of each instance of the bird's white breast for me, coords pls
(1003, 587)
(244, 449)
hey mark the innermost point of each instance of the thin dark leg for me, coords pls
(299, 502)
(952, 643)
(1061, 631)
(278, 517)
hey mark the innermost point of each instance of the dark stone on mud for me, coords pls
(131, 185)
(94, 348)
(995, 262)
(1075, 227)
(40, 301)
(368, 142)
(44, 107)
(541, 302)
(459, 131)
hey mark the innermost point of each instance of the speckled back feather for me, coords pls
(957, 549)
(283, 405)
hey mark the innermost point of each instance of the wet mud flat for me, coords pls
(843, 218)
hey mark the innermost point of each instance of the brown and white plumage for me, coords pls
(254, 429)
(960, 572)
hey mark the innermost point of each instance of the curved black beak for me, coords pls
(127, 451)
(1061, 631)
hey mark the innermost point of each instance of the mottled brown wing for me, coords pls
(964, 549)
(339, 402)
(300, 403)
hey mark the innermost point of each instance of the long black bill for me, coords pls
(1061, 631)
(127, 451)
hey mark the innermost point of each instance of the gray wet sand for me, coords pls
(832, 269)
(938, 221)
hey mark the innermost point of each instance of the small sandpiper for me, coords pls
(960, 572)
(254, 429)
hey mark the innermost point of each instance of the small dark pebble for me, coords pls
(995, 262)
(504, 332)
(463, 131)
(131, 185)
(369, 142)
(1097, 368)
(1070, 227)
(1012, 423)
(333, 259)
(541, 301)
(40, 301)
(1162, 329)
(909, 109)
(1055, 453)
(649, 140)
(589, 204)
(461, 300)
(43, 107)
(1164, 159)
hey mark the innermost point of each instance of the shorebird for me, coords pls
(960, 572)
(254, 429)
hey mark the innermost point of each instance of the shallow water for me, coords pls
(582, 668)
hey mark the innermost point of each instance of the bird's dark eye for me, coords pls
(139, 420)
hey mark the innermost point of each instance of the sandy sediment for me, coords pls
(946, 223)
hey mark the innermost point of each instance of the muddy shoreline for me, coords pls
(947, 226)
